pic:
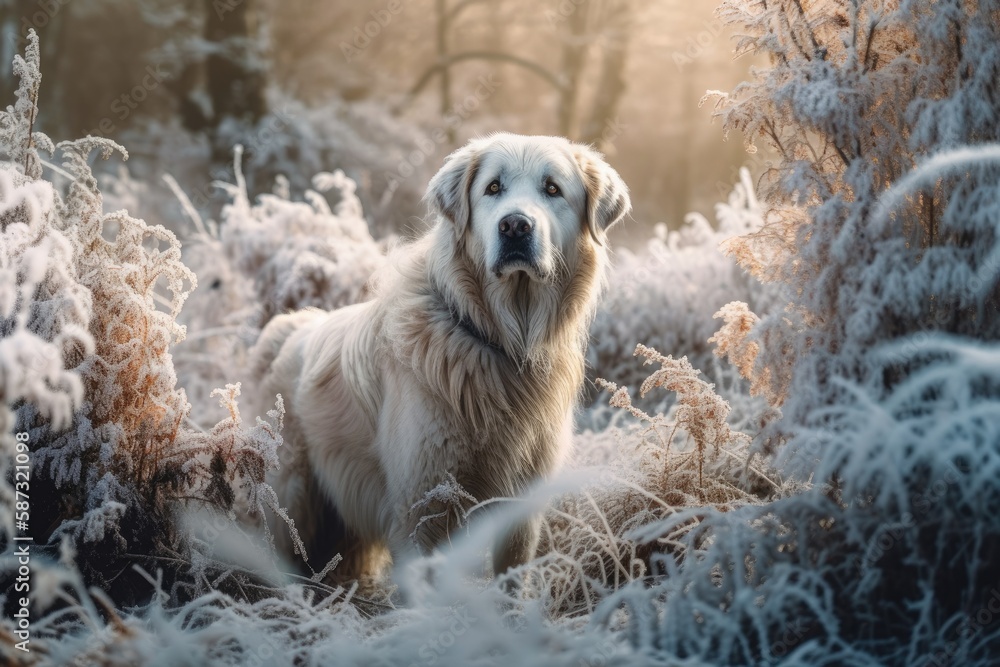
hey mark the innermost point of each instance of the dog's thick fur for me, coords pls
(469, 359)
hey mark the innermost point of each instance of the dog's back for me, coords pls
(273, 338)
(295, 353)
(270, 379)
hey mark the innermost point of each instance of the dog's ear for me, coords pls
(448, 191)
(607, 195)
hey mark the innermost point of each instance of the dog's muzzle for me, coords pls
(517, 242)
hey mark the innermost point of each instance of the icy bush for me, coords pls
(894, 565)
(856, 97)
(90, 301)
(264, 258)
(362, 138)
(665, 297)
(880, 230)
(388, 157)
(300, 254)
(44, 312)
(654, 467)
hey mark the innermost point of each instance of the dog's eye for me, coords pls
(493, 188)
(553, 190)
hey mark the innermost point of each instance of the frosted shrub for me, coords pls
(892, 563)
(293, 141)
(44, 312)
(700, 412)
(665, 296)
(89, 306)
(364, 138)
(658, 466)
(858, 95)
(300, 254)
(264, 258)
(880, 231)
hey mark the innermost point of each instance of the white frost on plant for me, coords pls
(300, 254)
(666, 296)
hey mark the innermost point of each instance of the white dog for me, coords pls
(467, 362)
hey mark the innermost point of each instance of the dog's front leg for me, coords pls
(401, 545)
(422, 528)
(517, 546)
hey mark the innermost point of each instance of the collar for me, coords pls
(465, 323)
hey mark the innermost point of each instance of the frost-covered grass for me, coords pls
(824, 492)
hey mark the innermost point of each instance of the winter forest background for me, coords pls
(809, 475)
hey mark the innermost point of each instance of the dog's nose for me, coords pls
(515, 225)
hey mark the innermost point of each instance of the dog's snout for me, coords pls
(515, 226)
(517, 242)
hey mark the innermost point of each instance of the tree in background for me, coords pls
(610, 25)
(217, 58)
(78, 42)
(580, 27)
(219, 63)
(203, 59)
(234, 70)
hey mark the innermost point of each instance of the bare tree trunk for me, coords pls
(683, 159)
(235, 85)
(599, 127)
(443, 24)
(574, 60)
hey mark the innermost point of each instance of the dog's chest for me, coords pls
(502, 459)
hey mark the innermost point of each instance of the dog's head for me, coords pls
(524, 203)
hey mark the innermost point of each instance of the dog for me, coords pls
(466, 364)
